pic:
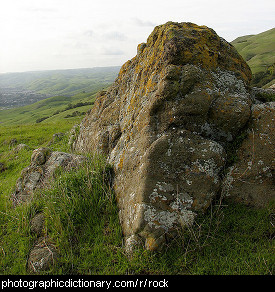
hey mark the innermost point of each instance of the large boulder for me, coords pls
(163, 125)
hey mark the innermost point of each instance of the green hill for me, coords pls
(259, 52)
(73, 81)
(50, 109)
(17, 89)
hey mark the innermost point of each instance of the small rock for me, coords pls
(20, 147)
(39, 156)
(42, 256)
(2, 167)
(37, 224)
(44, 163)
(13, 142)
(56, 137)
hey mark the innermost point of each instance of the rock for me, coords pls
(13, 142)
(56, 137)
(2, 167)
(37, 224)
(263, 95)
(251, 179)
(20, 147)
(73, 135)
(44, 163)
(42, 256)
(163, 125)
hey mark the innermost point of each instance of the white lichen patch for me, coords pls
(130, 243)
(165, 187)
(189, 182)
(186, 218)
(265, 169)
(216, 147)
(226, 81)
(177, 212)
(159, 219)
(208, 167)
(228, 181)
(154, 196)
(182, 202)
(160, 189)
(167, 219)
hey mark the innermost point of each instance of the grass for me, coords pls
(61, 82)
(53, 109)
(81, 219)
(34, 136)
(257, 50)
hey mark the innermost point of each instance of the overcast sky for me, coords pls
(64, 34)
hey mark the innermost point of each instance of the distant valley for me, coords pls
(20, 89)
(15, 97)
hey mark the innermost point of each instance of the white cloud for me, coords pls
(52, 34)
(112, 51)
(115, 36)
(141, 22)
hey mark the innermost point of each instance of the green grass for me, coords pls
(53, 109)
(81, 219)
(259, 53)
(33, 135)
(61, 82)
(257, 50)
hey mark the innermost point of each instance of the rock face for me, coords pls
(44, 162)
(251, 179)
(163, 125)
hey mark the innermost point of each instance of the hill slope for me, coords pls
(17, 89)
(259, 52)
(55, 108)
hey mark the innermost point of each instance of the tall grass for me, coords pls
(81, 220)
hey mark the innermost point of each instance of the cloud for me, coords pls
(112, 51)
(115, 35)
(143, 23)
(89, 33)
(41, 9)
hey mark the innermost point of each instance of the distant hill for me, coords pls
(17, 89)
(259, 52)
(55, 108)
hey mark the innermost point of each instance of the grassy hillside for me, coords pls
(65, 82)
(50, 109)
(81, 215)
(228, 240)
(259, 52)
(17, 89)
(83, 222)
(60, 82)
